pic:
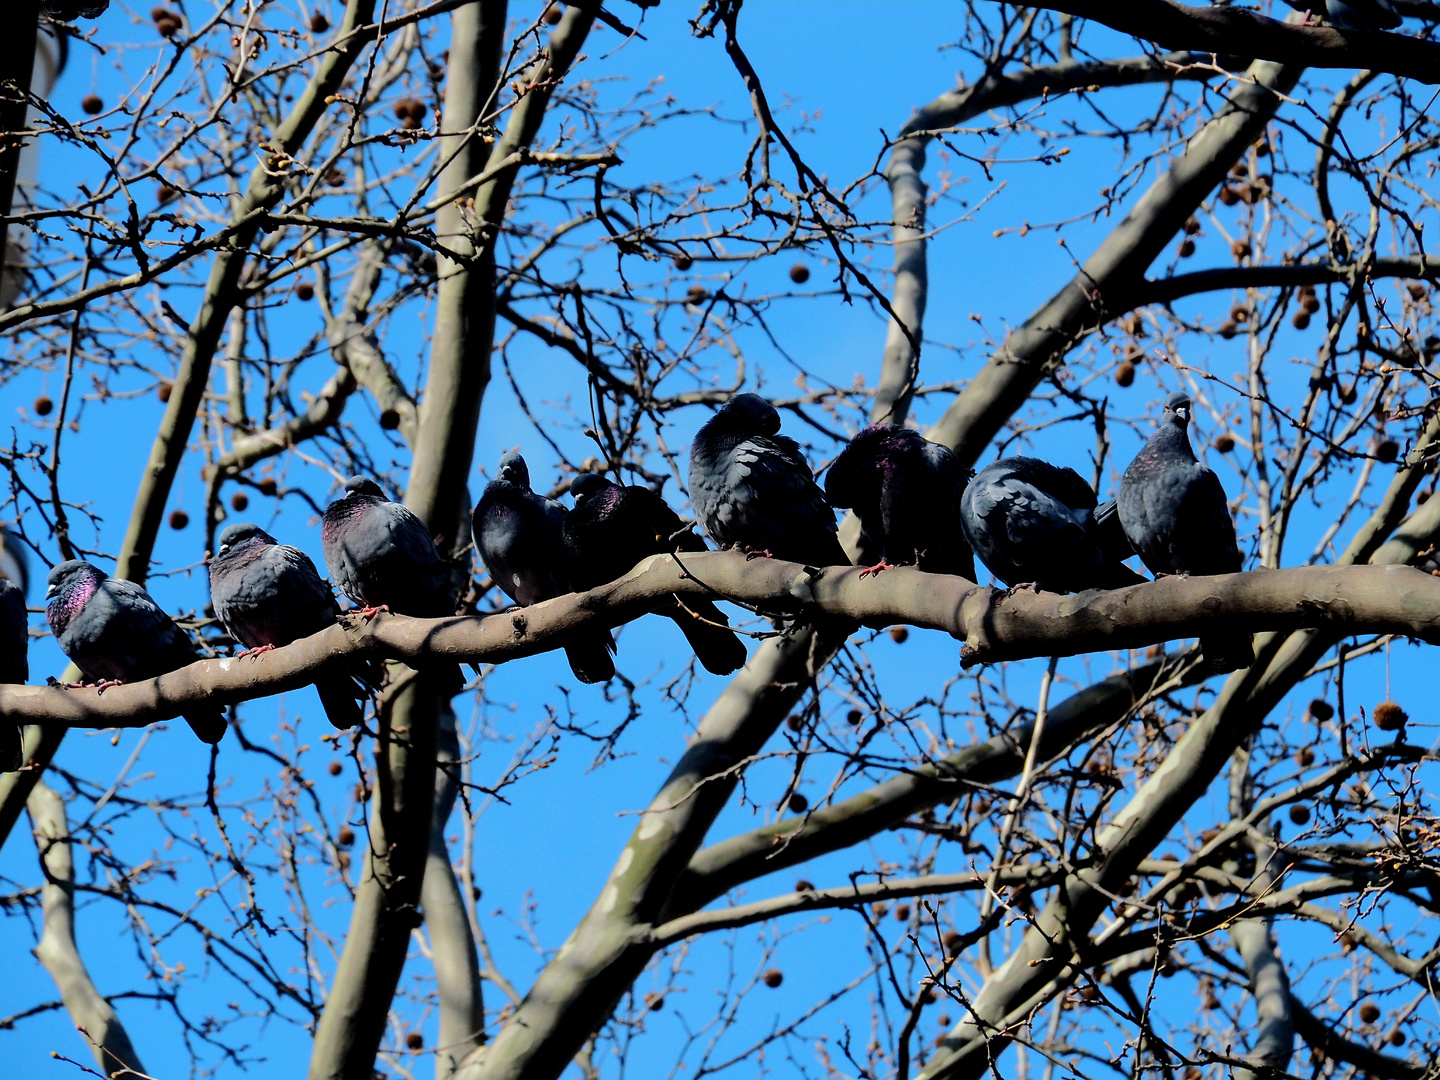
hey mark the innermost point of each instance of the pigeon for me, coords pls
(520, 537)
(1033, 525)
(906, 492)
(612, 528)
(753, 489)
(1175, 515)
(1351, 14)
(382, 555)
(113, 631)
(270, 594)
(14, 664)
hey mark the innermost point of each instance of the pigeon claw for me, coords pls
(1024, 586)
(252, 653)
(881, 565)
(754, 553)
(106, 684)
(368, 613)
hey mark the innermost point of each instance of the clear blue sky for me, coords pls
(855, 70)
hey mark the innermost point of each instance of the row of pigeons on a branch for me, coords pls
(1033, 524)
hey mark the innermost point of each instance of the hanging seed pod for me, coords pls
(1300, 320)
(1321, 710)
(1192, 225)
(319, 23)
(1369, 1012)
(798, 803)
(773, 978)
(1300, 815)
(92, 104)
(1186, 249)
(1228, 330)
(1124, 373)
(683, 262)
(799, 273)
(697, 294)
(1228, 195)
(899, 634)
(1389, 716)
(179, 519)
(1388, 450)
(239, 500)
(1224, 442)
(43, 406)
(1305, 758)
(267, 485)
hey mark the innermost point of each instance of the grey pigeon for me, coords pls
(382, 555)
(520, 537)
(112, 630)
(270, 594)
(1033, 523)
(753, 489)
(14, 664)
(1175, 515)
(1352, 14)
(906, 492)
(612, 528)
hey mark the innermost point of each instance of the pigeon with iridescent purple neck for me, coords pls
(906, 492)
(269, 594)
(114, 631)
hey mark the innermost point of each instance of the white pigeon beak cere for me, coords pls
(1183, 412)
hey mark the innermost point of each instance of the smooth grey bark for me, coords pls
(387, 902)
(452, 945)
(91, 1014)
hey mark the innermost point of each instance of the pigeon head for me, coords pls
(587, 485)
(242, 533)
(513, 469)
(70, 587)
(363, 485)
(749, 413)
(1177, 410)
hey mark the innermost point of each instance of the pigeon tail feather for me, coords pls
(337, 695)
(209, 725)
(1227, 653)
(590, 658)
(715, 645)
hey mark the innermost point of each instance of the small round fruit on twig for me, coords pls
(1389, 716)
(773, 978)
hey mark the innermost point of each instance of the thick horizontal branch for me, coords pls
(993, 626)
(1235, 30)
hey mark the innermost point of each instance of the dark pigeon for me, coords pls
(1351, 14)
(1034, 524)
(14, 664)
(906, 492)
(1175, 515)
(612, 528)
(269, 594)
(753, 489)
(520, 537)
(381, 555)
(113, 631)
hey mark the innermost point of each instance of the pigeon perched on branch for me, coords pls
(114, 631)
(382, 556)
(1175, 515)
(14, 664)
(753, 489)
(270, 594)
(906, 492)
(520, 537)
(1033, 524)
(612, 528)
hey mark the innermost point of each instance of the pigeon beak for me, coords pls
(1183, 413)
(51, 591)
(223, 548)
